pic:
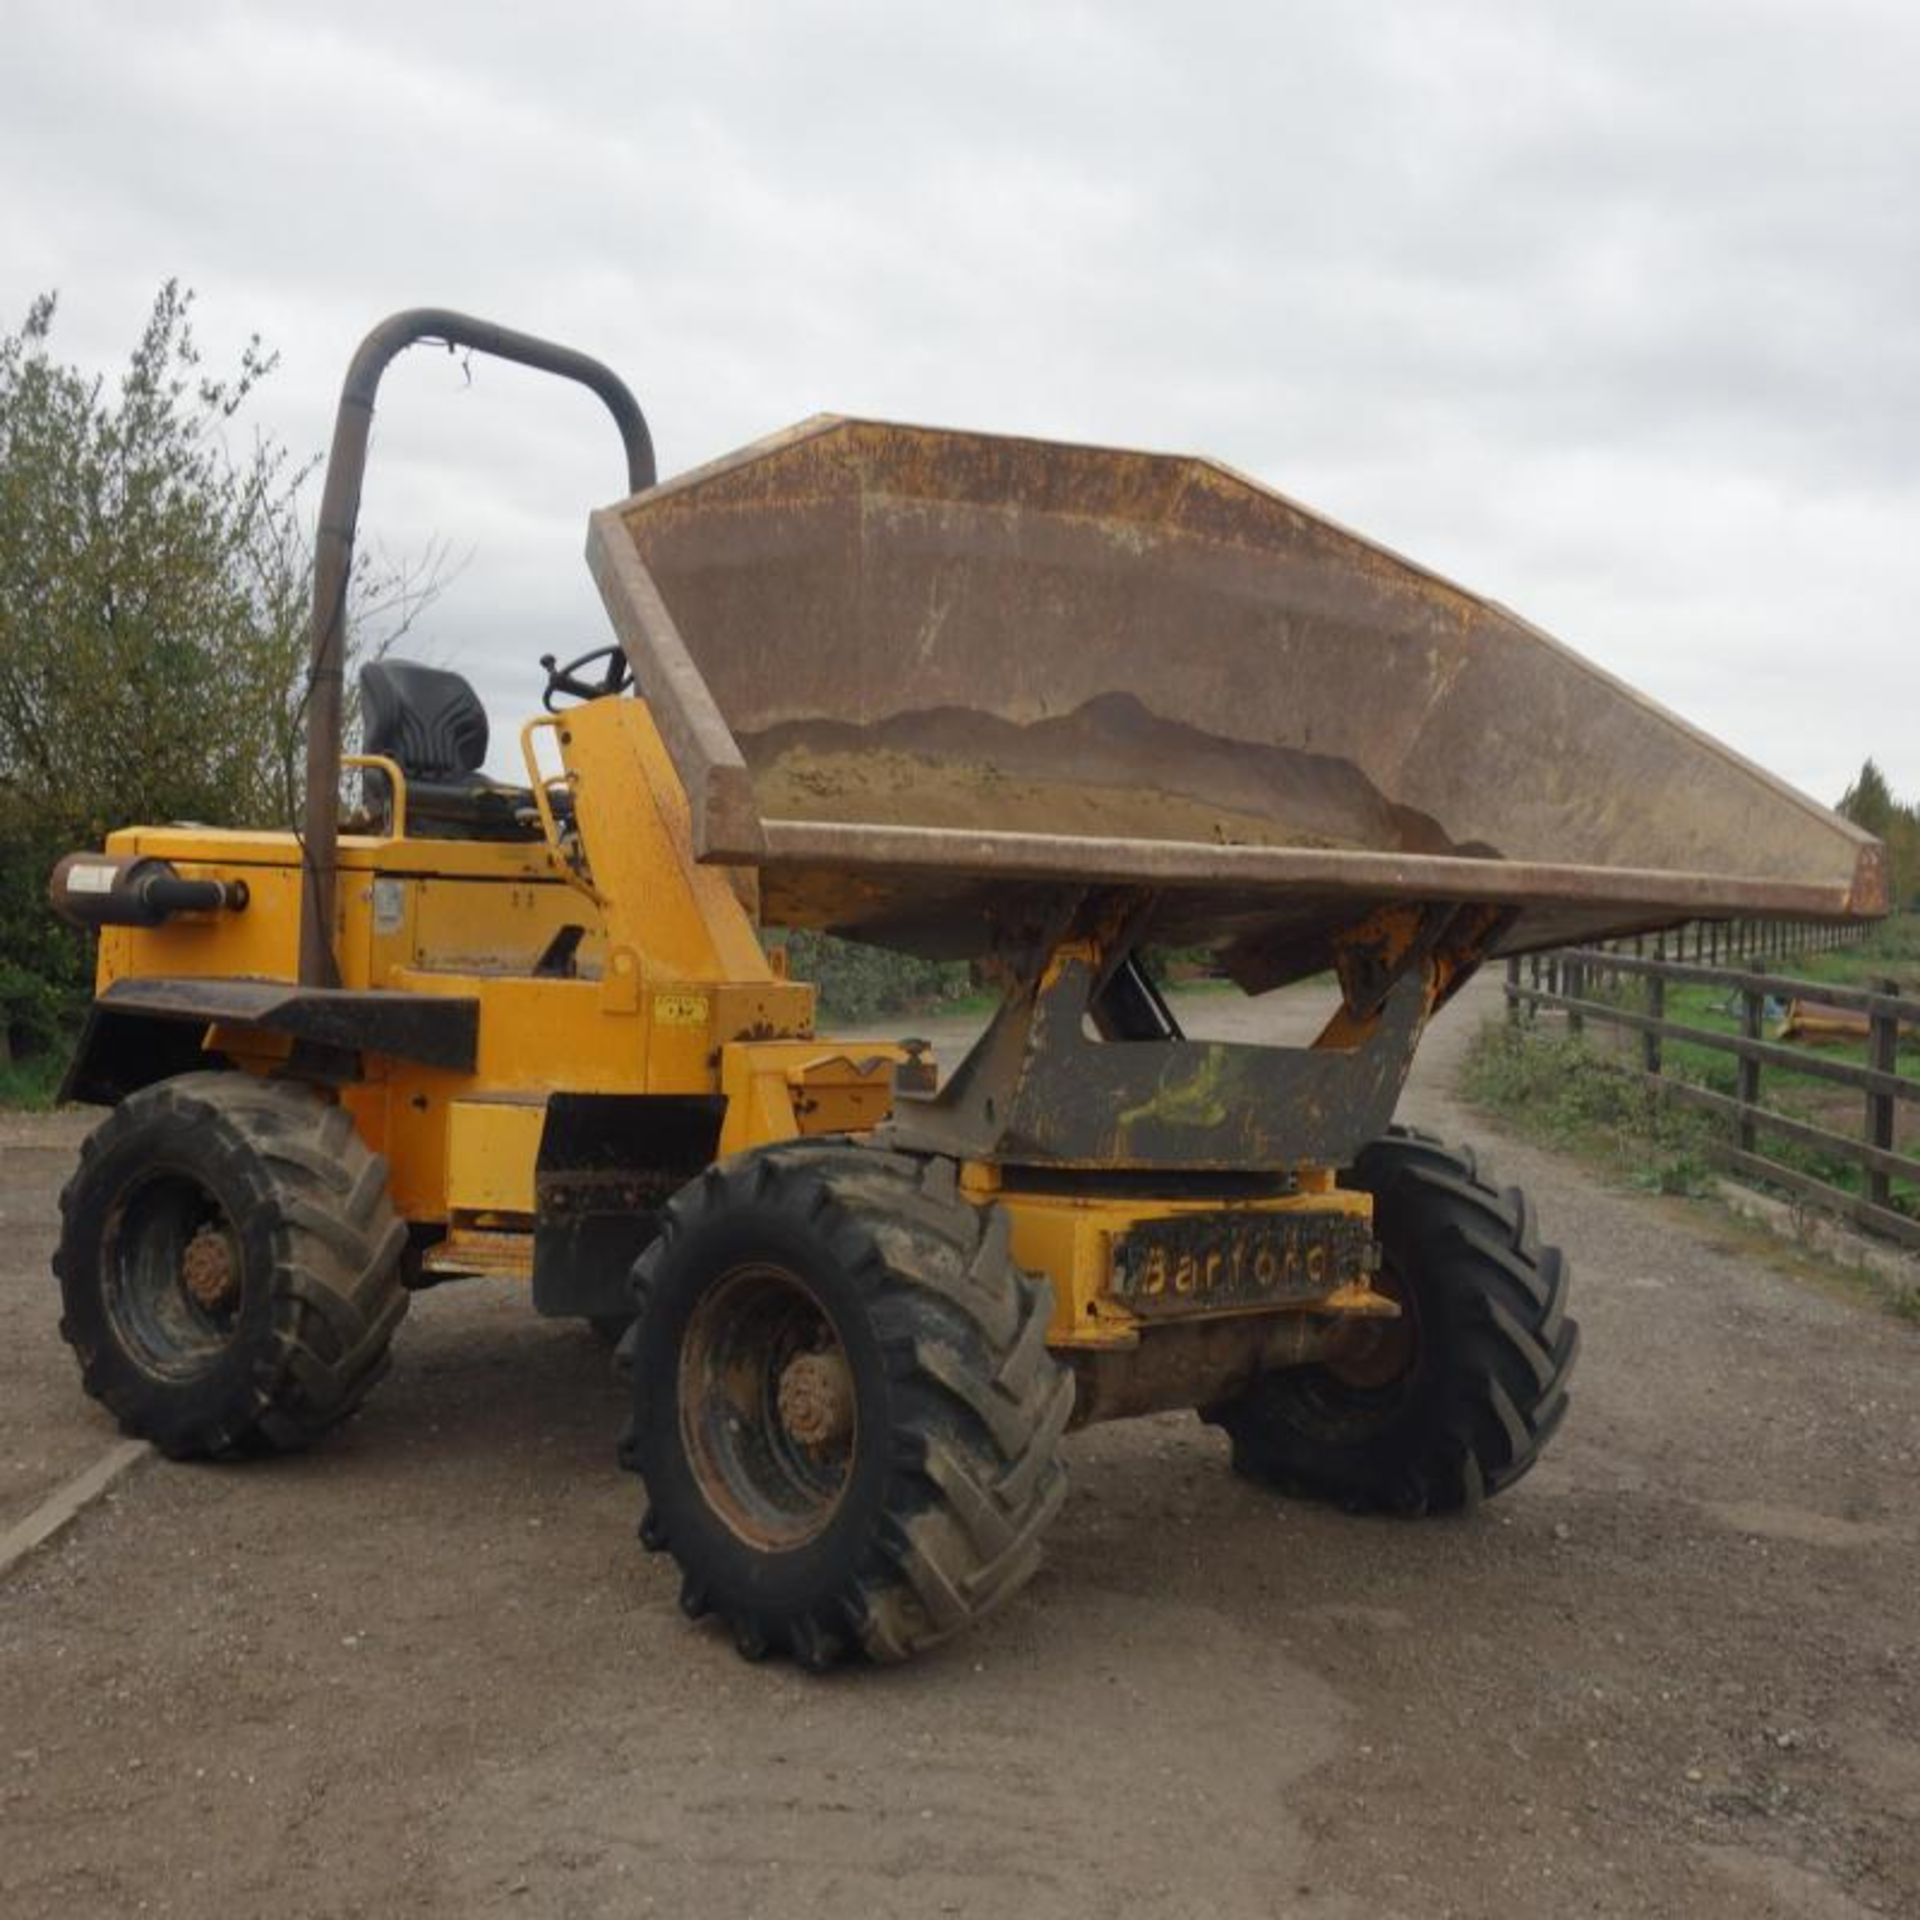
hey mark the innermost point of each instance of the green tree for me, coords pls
(155, 564)
(1869, 803)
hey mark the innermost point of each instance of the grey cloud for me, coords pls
(1604, 310)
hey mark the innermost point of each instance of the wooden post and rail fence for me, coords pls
(1587, 986)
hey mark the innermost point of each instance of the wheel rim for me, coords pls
(768, 1412)
(173, 1276)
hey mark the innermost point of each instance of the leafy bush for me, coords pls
(1569, 1095)
(860, 982)
(155, 572)
(31, 1083)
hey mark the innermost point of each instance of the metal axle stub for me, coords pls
(816, 1399)
(208, 1271)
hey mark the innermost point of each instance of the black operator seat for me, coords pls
(431, 724)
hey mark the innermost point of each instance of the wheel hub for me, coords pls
(1373, 1355)
(207, 1270)
(769, 1406)
(816, 1399)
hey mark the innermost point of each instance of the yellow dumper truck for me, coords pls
(1040, 707)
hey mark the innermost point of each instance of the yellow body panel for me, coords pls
(777, 1089)
(492, 1146)
(667, 981)
(1069, 1237)
(665, 990)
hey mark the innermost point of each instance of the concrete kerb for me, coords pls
(68, 1501)
(1819, 1233)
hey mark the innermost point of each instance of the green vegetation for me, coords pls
(1571, 1090)
(155, 570)
(858, 982)
(1567, 1094)
(1869, 803)
(1890, 952)
(31, 1082)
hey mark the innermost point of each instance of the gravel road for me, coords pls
(426, 1670)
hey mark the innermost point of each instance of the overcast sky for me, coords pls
(1611, 312)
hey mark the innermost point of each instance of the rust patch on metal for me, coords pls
(1192, 1363)
(958, 663)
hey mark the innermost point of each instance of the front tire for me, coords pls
(1454, 1401)
(229, 1265)
(846, 1415)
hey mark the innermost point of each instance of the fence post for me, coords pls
(1656, 1009)
(1513, 989)
(1576, 986)
(1747, 1083)
(1883, 1055)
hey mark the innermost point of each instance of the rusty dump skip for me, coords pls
(914, 675)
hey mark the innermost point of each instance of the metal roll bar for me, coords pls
(333, 566)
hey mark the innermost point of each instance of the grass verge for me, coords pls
(1566, 1095)
(1890, 952)
(1562, 1092)
(31, 1084)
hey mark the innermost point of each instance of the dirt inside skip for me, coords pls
(1108, 769)
(886, 787)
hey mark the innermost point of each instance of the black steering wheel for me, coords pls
(615, 677)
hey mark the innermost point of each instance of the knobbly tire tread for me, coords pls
(1499, 1347)
(976, 1404)
(308, 1202)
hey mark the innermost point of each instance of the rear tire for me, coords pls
(846, 1415)
(229, 1265)
(1455, 1402)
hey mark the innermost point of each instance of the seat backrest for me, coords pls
(429, 720)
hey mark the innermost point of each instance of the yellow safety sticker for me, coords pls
(681, 1009)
